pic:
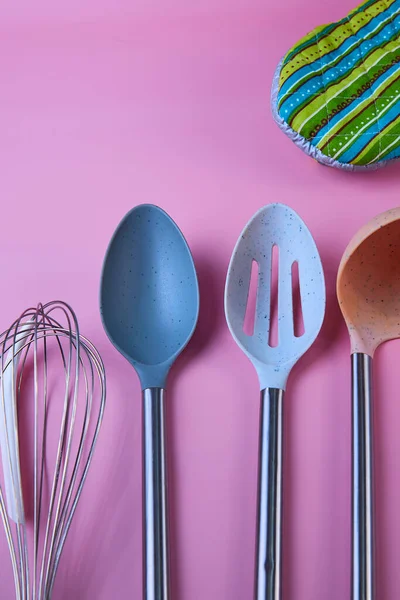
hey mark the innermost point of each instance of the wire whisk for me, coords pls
(52, 399)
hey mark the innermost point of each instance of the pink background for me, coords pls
(106, 104)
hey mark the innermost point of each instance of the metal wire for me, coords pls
(44, 345)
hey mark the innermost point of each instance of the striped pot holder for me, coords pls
(336, 93)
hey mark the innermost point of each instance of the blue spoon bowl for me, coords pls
(149, 298)
(149, 303)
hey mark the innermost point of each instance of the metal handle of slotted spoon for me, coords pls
(155, 521)
(269, 509)
(362, 479)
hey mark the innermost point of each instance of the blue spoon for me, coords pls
(149, 302)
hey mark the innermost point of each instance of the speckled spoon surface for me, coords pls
(368, 290)
(149, 302)
(274, 225)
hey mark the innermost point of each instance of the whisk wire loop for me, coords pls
(41, 349)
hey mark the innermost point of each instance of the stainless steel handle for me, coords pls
(362, 479)
(155, 518)
(269, 510)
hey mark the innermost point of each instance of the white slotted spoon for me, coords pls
(273, 225)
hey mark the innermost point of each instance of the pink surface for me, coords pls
(106, 104)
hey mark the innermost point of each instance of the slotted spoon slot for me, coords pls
(273, 326)
(298, 319)
(251, 306)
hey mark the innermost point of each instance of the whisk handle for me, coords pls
(269, 511)
(362, 479)
(155, 518)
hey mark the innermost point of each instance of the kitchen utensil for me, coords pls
(368, 290)
(149, 303)
(53, 382)
(274, 225)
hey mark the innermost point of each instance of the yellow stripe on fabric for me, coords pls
(337, 90)
(334, 39)
(360, 7)
(305, 39)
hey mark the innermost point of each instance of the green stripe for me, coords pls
(310, 76)
(379, 143)
(363, 115)
(359, 108)
(287, 69)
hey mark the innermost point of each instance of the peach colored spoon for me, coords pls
(368, 290)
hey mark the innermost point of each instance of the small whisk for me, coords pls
(52, 398)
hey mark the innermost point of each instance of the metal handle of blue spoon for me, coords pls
(155, 518)
(362, 479)
(269, 509)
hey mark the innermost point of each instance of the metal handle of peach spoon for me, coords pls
(269, 509)
(155, 521)
(362, 479)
